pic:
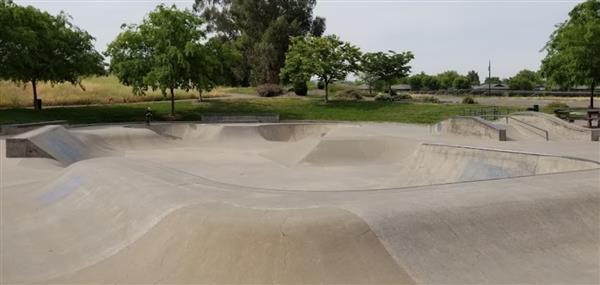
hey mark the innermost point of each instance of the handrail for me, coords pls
(529, 125)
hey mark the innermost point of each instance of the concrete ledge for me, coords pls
(471, 126)
(240, 118)
(13, 129)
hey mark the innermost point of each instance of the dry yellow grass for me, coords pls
(98, 90)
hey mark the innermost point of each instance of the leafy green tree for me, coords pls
(447, 78)
(387, 67)
(524, 80)
(369, 79)
(574, 49)
(261, 30)
(38, 47)
(327, 58)
(416, 81)
(231, 67)
(164, 52)
(461, 83)
(492, 80)
(473, 77)
(431, 82)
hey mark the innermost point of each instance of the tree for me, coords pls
(431, 82)
(447, 78)
(473, 77)
(261, 30)
(416, 81)
(328, 58)
(524, 80)
(573, 51)
(387, 67)
(38, 47)
(164, 52)
(492, 80)
(369, 79)
(461, 82)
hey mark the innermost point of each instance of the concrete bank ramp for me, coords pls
(220, 244)
(331, 152)
(117, 220)
(559, 130)
(55, 142)
(438, 163)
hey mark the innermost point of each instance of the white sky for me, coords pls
(443, 34)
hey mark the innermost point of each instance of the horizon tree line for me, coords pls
(241, 43)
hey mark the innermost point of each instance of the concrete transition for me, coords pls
(523, 126)
(299, 203)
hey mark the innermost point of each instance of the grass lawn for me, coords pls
(287, 108)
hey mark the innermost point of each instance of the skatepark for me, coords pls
(303, 202)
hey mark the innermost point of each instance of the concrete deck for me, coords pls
(298, 203)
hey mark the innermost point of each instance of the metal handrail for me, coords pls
(529, 125)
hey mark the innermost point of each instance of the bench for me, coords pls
(13, 129)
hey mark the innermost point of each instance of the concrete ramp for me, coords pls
(559, 130)
(331, 152)
(53, 142)
(438, 163)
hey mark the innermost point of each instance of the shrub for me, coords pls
(553, 106)
(429, 99)
(300, 88)
(383, 97)
(269, 90)
(403, 96)
(349, 95)
(321, 85)
(469, 100)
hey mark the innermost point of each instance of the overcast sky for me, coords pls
(443, 34)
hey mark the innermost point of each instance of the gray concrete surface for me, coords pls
(471, 126)
(298, 203)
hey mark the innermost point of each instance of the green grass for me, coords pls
(287, 108)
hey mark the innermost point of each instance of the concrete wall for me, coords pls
(471, 126)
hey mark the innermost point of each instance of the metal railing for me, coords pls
(531, 126)
(489, 113)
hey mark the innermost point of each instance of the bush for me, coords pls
(300, 88)
(349, 95)
(403, 96)
(321, 85)
(469, 100)
(269, 90)
(552, 107)
(429, 99)
(383, 97)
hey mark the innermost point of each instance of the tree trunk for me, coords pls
(199, 95)
(34, 87)
(326, 91)
(592, 94)
(172, 103)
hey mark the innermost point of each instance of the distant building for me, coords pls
(495, 86)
